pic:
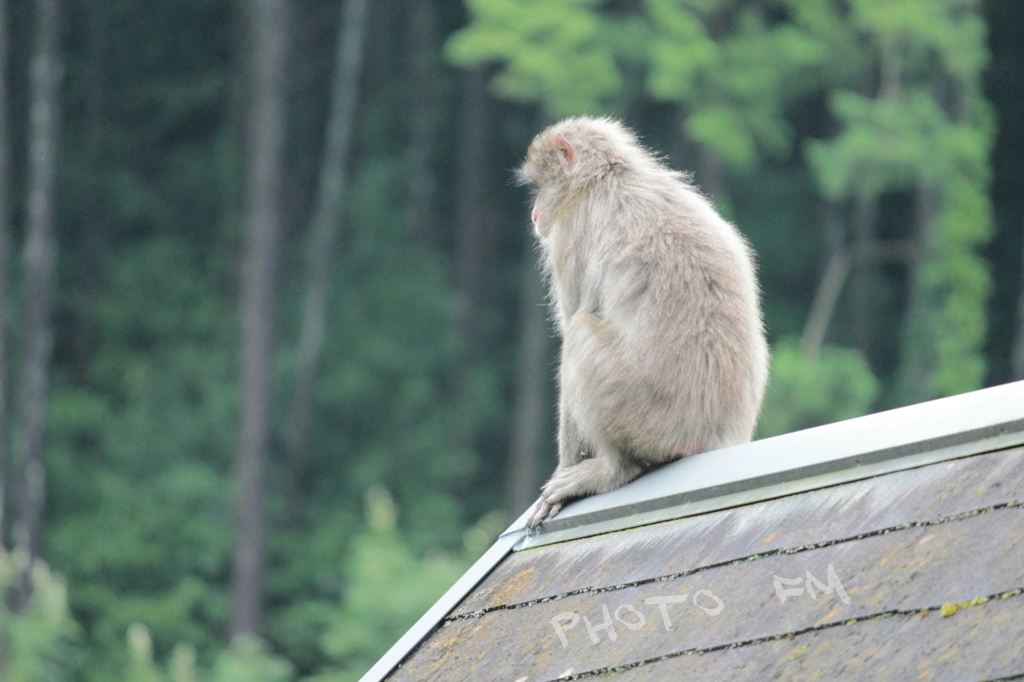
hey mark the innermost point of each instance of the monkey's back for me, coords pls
(681, 293)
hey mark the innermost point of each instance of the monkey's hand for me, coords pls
(600, 474)
(542, 510)
(565, 484)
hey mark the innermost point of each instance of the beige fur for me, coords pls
(663, 349)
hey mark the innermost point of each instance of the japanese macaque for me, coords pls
(656, 300)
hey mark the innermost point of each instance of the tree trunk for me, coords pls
(88, 241)
(472, 239)
(1018, 345)
(834, 233)
(824, 303)
(831, 285)
(322, 234)
(533, 402)
(268, 49)
(835, 268)
(865, 211)
(4, 259)
(422, 49)
(40, 280)
(923, 307)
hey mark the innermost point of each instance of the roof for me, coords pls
(886, 546)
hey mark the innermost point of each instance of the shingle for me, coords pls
(980, 643)
(828, 514)
(826, 580)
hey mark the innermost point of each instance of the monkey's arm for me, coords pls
(588, 462)
(572, 448)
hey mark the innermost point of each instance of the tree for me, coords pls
(389, 587)
(422, 19)
(531, 420)
(323, 231)
(556, 53)
(4, 259)
(1018, 347)
(474, 221)
(40, 277)
(266, 137)
(808, 391)
(733, 70)
(1004, 88)
(36, 642)
(926, 130)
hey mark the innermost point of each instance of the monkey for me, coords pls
(656, 300)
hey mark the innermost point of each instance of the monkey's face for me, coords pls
(534, 173)
(548, 168)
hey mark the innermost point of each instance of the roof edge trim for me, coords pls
(435, 615)
(801, 482)
(904, 438)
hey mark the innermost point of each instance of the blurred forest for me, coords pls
(275, 366)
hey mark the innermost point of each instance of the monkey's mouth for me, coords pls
(540, 222)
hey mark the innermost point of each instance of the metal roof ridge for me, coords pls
(902, 438)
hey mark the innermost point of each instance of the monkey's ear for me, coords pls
(565, 151)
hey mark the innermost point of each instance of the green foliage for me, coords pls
(141, 667)
(389, 587)
(37, 644)
(247, 660)
(946, 330)
(555, 52)
(927, 129)
(805, 392)
(895, 144)
(733, 88)
(155, 416)
(731, 66)
(388, 414)
(143, 415)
